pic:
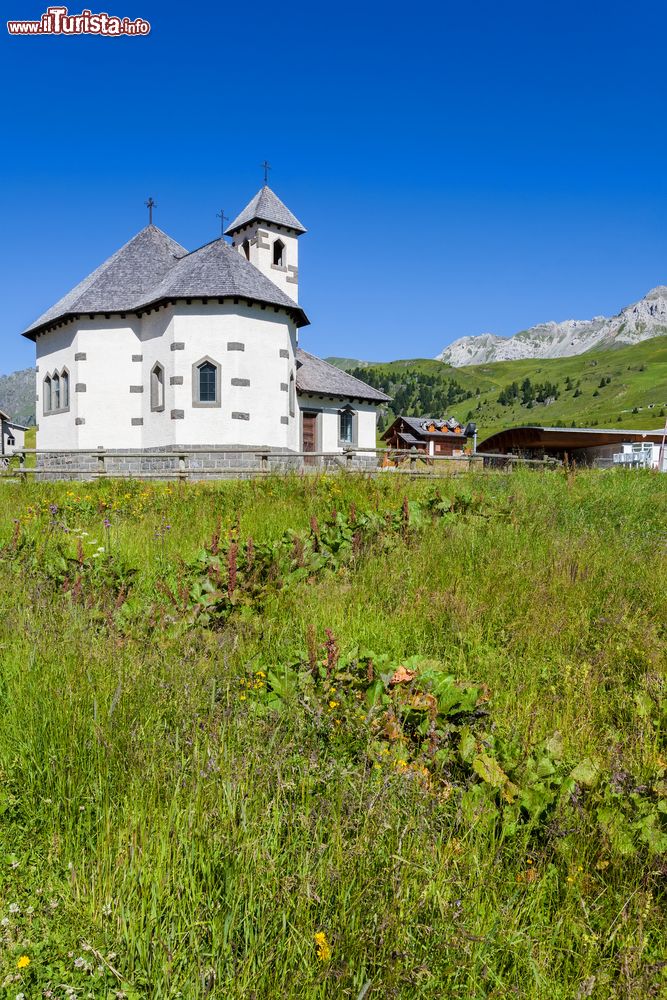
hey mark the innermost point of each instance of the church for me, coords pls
(161, 349)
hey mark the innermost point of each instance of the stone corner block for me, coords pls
(80, 356)
(80, 387)
(236, 415)
(137, 421)
(284, 353)
(175, 380)
(136, 388)
(177, 414)
(284, 420)
(79, 421)
(137, 357)
(234, 345)
(240, 381)
(178, 345)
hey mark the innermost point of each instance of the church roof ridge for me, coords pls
(152, 267)
(266, 206)
(217, 270)
(122, 279)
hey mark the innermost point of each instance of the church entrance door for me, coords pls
(309, 435)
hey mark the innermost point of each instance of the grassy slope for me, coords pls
(630, 387)
(149, 809)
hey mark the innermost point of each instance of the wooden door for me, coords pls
(309, 435)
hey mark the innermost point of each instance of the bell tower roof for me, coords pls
(266, 206)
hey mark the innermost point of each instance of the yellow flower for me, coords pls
(23, 962)
(241, 697)
(323, 947)
(333, 704)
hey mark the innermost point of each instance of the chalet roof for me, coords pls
(152, 267)
(120, 282)
(445, 428)
(563, 438)
(319, 377)
(217, 270)
(266, 206)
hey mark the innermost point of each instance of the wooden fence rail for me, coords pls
(391, 461)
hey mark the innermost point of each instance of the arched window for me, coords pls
(64, 389)
(346, 426)
(157, 387)
(292, 395)
(245, 246)
(206, 382)
(279, 253)
(55, 391)
(46, 394)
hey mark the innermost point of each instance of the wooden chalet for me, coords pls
(430, 436)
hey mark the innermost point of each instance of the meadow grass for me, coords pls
(168, 830)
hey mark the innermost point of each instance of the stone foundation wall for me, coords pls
(198, 463)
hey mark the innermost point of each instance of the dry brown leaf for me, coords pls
(403, 676)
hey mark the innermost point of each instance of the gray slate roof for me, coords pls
(120, 282)
(152, 267)
(266, 206)
(319, 377)
(217, 270)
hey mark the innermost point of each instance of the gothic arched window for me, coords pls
(64, 389)
(206, 375)
(157, 387)
(279, 253)
(46, 394)
(292, 395)
(245, 246)
(55, 391)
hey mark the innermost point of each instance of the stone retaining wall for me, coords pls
(230, 463)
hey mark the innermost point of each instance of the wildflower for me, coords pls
(20, 996)
(401, 764)
(79, 962)
(13, 907)
(323, 947)
(333, 704)
(4, 922)
(241, 697)
(23, 962)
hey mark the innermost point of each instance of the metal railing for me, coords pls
(387, 461)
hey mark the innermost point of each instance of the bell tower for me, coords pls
(267, 234)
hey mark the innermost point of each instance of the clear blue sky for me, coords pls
(461, 168)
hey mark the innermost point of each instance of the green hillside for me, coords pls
(624, 387)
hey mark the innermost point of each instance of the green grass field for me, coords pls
(333, 737)
(638, 377)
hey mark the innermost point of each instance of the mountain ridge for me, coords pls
(634, 324)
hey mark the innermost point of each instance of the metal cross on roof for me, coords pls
(223, 218)
(150, 205)
(267, 167)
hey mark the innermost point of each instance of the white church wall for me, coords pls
(329, 416)
(262, 237)
(108, 383)
(157, 336)
(55, 352)
(247, 343)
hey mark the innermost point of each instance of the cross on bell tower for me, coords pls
(267, 167)
(150, 205)
(223, 218)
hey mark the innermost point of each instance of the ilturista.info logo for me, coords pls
(58, 21)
